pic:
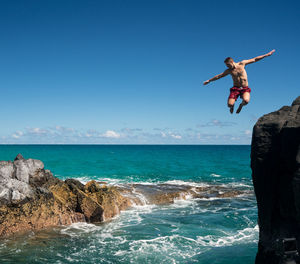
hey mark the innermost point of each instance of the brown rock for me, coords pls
(44, 211)
(109, 198)
(53, 202)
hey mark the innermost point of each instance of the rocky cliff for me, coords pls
(275, 163)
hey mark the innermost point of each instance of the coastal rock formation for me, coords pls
(17, 176)
(168, 193)
(31, 198)
(275, 163)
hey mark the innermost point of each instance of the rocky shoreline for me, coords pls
(31, 198)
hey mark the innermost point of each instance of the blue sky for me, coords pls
(131, 72)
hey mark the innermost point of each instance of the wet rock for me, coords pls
(92, 186)
(74, 184)
(161, 194)
(275, 163)
(31, 198)
(110, 199)
(229, 194)
(35, 214)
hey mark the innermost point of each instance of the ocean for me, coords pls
(219, 230)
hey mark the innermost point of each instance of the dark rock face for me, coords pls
(275, 163)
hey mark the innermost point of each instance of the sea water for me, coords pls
(191, 230)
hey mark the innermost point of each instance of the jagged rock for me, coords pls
(73, 184)
(40, 177)
(19, 157)
(161, 194)
(17, 178)
(71, 194)
(6, 169)
(24, 169)
(275, 163)
(31, 198)
(92, 186)
(42, 212)
(110, 199)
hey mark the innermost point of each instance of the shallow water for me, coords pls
(206, 230)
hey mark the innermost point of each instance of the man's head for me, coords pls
(229, 62)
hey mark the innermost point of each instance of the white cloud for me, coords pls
(64, 129)
(131, 130)
(37, 131)
(176, 136)
(18, 134)
(217, 123)
(163, 134)
(111, 134)
(170, 134)
(61, 134)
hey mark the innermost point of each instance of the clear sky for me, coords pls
(132, 71)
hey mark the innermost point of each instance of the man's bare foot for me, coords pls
(231, 109)
(240, 108)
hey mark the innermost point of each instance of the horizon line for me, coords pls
(111, 144)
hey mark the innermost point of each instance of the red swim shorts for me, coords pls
(235, 92)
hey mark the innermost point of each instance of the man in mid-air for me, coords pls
(240, 80)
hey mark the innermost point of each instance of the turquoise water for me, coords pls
(217, 230)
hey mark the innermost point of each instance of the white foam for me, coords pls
(121, 253)
(215, 175)
(112, 181)
(236, 184)
(242, 236)
(181, 204)
(83, 179)
(76, 229)
(172, 247)
(213, 198)
(141, 197)
(180, 182)
(122, 182)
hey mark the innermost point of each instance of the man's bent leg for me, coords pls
(246, 99)
(230, 104)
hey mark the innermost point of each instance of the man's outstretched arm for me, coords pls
(257, 58)
(219, 76)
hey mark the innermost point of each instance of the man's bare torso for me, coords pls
(239, 75)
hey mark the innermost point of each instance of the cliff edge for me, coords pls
(275, 164)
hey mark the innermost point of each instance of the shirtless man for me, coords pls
(240, 80)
